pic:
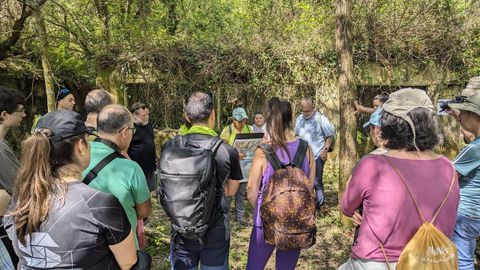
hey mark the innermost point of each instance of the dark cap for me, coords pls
(137, 105)
(63, 124)
(62, 94)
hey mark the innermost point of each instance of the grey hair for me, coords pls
(113, 118)
(199, 106)
(96, 100)
(308, 100)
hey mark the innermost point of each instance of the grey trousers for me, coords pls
(360, 264)
(239, 200)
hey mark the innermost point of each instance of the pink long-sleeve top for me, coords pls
(388, 209)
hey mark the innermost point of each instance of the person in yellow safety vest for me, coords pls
(239, 125)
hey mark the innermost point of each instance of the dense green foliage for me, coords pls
(262, 47)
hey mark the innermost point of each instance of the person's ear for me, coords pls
(186, 117)
(4, 115)
(123, 132)
(82, 147)
(212, 115)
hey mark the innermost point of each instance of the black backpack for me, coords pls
(187, 186)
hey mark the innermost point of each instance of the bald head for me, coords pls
(96, 100)
(113, 118)
(307, 107)
(307, 101)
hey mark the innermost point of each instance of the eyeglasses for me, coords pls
(21, 110)
(143, 107)
(133, 129)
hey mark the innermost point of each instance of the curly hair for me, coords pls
(398, 134)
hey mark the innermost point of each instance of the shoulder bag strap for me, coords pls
(93, 173)
(320, 123)
(271, 156)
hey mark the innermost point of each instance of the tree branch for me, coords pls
(6, 46)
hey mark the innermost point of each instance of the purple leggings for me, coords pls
(259, 252)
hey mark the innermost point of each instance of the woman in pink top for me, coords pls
(389, 215)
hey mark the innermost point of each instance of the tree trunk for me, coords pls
(347, 94)
(104, 14)
(47, 70)
(16, 31)
(172, 22)
(218, 112)
(109, 80)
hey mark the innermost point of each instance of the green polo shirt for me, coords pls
(122, 178)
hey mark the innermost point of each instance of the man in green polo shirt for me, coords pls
(239, 125)
(122, 177)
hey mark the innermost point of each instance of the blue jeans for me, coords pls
(239, 201)
(467, 229)
(318, 183)
(188, 255)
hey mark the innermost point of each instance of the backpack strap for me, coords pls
(215, 145)
(271, 156)
(380, 243)
(413, 198)
(420, 214)
(93, 173)
(301, 153)
(446, 196)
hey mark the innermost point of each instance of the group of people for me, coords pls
(80, 193)
(404, 184)
(283, 133)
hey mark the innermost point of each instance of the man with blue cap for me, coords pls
(65, 100)
(239, 125)
(374, 123)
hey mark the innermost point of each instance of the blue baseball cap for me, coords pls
(239, 114)
(374, 118)
(62, 94)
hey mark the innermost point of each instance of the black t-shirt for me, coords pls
(142, 148)
(76, 234)
(227, 167)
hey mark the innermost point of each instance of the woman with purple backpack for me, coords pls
(284, 145)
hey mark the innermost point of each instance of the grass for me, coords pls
(331, 249)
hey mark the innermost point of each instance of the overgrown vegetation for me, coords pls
(245, 51)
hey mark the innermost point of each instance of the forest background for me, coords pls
(243, 51)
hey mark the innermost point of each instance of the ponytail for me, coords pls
(33, 185)
(279, 121)
(38, 180)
